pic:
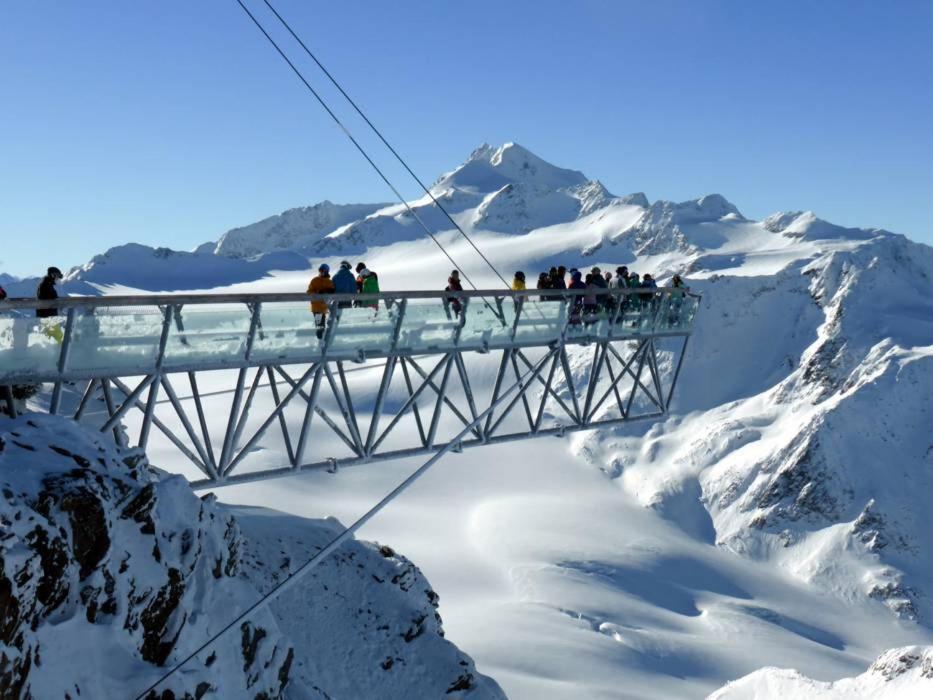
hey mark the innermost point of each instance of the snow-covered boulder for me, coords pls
(111, 570)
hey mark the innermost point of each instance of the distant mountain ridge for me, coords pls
(496, 190)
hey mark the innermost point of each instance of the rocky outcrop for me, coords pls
(97, 543)
(111, 571)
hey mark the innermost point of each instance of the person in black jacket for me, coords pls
(47, 292)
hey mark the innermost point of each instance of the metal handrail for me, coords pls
(185, 299)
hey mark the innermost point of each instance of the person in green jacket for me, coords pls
(370, 286)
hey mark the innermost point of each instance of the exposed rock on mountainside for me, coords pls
(661, 229)
(110, 570)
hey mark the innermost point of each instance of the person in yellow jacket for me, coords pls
(518, 284)
(322, 284)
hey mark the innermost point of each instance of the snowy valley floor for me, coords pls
(560, 586)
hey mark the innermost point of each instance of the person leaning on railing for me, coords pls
(454, 285)
(47, 292)
(676, 299)
(322, 284)
(345, 283)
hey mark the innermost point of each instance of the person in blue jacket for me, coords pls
(344, 283)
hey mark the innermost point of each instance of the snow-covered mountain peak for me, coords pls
(710, 207)
(489, 169)
(667, 227)
(636, 199)
(807, 225)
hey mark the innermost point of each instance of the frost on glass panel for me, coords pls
(541, 321)
(427, 325)
(30, 344)
(487, 321)
(363, 329)
(286, 331)
(207, 334)
(115, 339)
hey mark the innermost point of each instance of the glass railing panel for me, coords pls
(688, 312)
(673, 312)
(29, 344)
(287, 331)
(483, 324)
(427, 325)
(115, 339)
(541, 321)
(636, 316)
(364, 329)
(212, 334)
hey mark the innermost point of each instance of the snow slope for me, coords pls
(898, 674)
(293, 229)
(777, 517)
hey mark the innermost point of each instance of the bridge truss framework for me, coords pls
(411, 399)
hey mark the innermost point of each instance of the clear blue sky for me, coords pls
(169, 121)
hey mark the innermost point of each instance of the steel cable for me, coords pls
(385, 142)
(356, 143)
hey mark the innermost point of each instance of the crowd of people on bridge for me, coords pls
(584, 308)
(365, 281)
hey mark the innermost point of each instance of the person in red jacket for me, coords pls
(2, 294)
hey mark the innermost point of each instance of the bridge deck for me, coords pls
(102, 337)
(293, 406)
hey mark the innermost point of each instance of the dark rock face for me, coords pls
(801, 488)
(86, 535)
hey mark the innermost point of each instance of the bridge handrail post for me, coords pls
(333, 312)
(461, 322)
(255, 309)
(62, 364)
(501, 315)
(167, 317)
(397, 328)
(519, 305)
